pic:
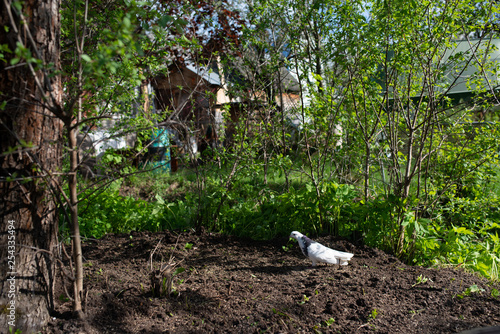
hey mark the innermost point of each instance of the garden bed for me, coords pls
(235, 285)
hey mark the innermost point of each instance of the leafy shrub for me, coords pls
(109, 212)
(466, 235)
(462, 232)
(278, 214)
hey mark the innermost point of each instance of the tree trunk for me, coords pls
(30, 149)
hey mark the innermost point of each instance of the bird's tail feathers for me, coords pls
(344, 258)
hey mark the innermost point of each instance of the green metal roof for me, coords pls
(463, 60)
(469, 58)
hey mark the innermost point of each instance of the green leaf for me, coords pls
(86, 58)
(178, 271)
(329, 322)
(165, 20)
(159, 199)
(17, 5)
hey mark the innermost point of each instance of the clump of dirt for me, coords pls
(235, 285)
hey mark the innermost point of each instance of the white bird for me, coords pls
(316, 252)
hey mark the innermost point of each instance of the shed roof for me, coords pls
(480, 52)
(206, 73)
(462, 62)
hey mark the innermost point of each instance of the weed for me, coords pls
(304, 300)
(162, 279)
(316, 329)
(415, 312)
(373, 314)
(421, 280)
(470, 290)
(329, 322)
(63, 298)
(495, 293)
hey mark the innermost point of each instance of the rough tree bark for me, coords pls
(30, 154)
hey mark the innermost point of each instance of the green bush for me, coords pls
(274, 214)
(466, 234)
(108, 212)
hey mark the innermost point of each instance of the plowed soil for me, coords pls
(234, 285)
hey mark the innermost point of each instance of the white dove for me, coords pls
(316, 252)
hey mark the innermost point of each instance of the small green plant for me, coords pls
(188, 246)
(372, 316)
(329, 322)
(470, 290)
(63, 298)
(162, 279)
(304, 300)
(415, 312)
(164, 283)
(495, 293)
(421, 280)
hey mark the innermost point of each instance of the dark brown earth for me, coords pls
(234, 285)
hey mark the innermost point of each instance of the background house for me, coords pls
(187, 94)
(194, 99)
(467, 65)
